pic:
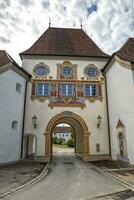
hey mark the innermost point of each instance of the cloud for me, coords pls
(4, 40)
(26, 2)
(5, 4)
(45, 4)
(108, 23)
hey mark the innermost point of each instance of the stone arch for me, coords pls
(60, 118)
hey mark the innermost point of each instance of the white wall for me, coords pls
(45, 113)
(11, 108)
(120, 88)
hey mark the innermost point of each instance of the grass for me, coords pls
(64, 146)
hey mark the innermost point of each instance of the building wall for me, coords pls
(65, 136)
(120, 87)
(11, 108)
(45, 113)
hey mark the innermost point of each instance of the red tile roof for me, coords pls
(62, 129)
(65, 42)
(4, 59)
(126, 52)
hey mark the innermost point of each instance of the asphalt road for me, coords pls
(70, 179)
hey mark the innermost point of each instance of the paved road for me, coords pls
(70, 179)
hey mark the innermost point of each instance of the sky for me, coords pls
(108, 22)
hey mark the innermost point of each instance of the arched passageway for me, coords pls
(80, 128)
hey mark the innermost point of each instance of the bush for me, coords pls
(55, 140)
(70, 143)
(60, 141)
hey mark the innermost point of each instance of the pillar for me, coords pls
(48, 152)
(86, 146)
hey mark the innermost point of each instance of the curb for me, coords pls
(28, 184)
(126, 184)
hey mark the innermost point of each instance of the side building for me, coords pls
(119, 73)
(12, 97)
(67, 86)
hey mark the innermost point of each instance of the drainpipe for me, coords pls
(108, 115)
(23, 123)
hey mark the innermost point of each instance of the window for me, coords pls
(66, 90)
(97, 147)
(42, 89)
(41, 69)
(18, 87)
(90, 90)
(14, 124)
(91, 71)
(67, 71)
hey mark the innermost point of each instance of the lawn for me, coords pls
(64, 146)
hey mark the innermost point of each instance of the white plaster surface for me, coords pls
(11, 108)
(120, 88)
(45, 113)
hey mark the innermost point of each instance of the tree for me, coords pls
(70, 143)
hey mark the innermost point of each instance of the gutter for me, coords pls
(105, 67)
(23, 124)
(108, 115)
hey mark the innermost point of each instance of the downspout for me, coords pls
(109, 137)
(23, 124)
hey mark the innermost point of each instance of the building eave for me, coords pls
(15, 67)
(64, 55)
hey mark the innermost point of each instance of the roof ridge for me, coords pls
(126, 42)
(73, 28)
(65, 42)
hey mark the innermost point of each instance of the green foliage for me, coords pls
(60, 141)
(72, 135)
(57, 140)
(70, 143)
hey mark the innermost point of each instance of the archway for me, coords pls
(77, 123)
(63, 140)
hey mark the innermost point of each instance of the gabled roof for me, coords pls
(126, 52)
(6, 59)
(120, 124)
(65, 42)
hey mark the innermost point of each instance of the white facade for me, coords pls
(120, 89)
(44, 113)
(65, 136)
(11, 115)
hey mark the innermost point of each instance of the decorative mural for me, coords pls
(66, 90)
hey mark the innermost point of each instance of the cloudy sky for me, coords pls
(108, 22)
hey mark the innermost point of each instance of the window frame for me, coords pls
(91, 66)
(42, 65)
(43, 90)
(98, 147)
(67, 90)
(18, 87)
(14, 124)
(91, 90)
(65, 74)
